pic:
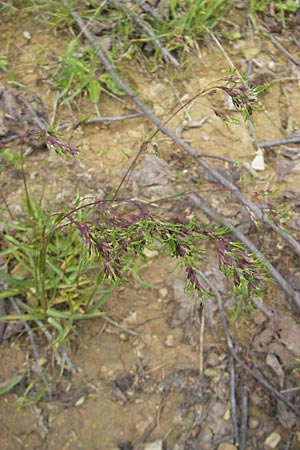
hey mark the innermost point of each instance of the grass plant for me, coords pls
(62, 264)
(280, 9)
(79, 74)
(276, 6)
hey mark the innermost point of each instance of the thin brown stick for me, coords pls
(233, 400)
(7, 205)
(244, 418)
(183, 145)
(130, 169)
(204, 415)
(262, 308)
(201, 338)
(228, 437)
(290, 441)
(42, 124)
(284, 50)
(288, 140)
(121, 327)
(107, 120)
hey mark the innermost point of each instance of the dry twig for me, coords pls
(288, 140)
(106, 120)
(284, 50)
(262, 307)
(117, 325)
(201, 338)
(244, 418)
(233, 399)
(290, 441)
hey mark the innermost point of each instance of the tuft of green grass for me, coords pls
(280, 9)
(79, 74)
(176, 27)
(47, 268)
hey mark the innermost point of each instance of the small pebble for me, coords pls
(169, 342)
(163, 292)
(157, 445)
(227, 415)
(211, 372)
(253, 422)
(273, 440)
(212, 359)
(80, 401)
(27, 35)
(150, 253)
(131, 318)
(227, 446)
(123, 336)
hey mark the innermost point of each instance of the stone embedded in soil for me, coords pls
(152, 171)
(273, 362)
(272, 440)
(180, 295)
(215, 427)
(151, 253)
(169, 342)
(227, 446)
(157, 445)
(253, 422)
(131, 318)
(211, 372)
(227, 415)
(163, 292)
(212, 359)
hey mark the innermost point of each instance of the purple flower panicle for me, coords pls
(52, 142)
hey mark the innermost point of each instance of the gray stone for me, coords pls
(227, 446)
(212, 359)
(253, 422)
(156, 445)
(273, 440)
(152, 171)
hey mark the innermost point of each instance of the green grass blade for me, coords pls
(8, 386)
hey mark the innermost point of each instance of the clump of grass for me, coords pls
(188, 20)
(176, 25)
(279, 9)
(78, 73)
(275, 7)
